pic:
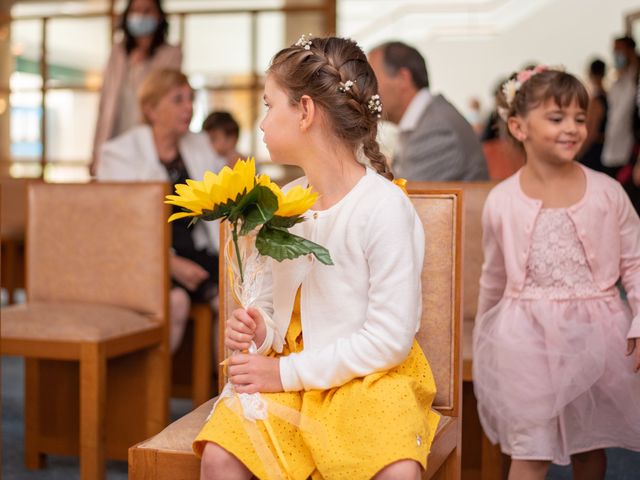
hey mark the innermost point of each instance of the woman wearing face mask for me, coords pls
(163, 149)
(142, 49)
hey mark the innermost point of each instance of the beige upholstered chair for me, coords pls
(168, 455)
(93, 330)
(479, 457)
(475, 194)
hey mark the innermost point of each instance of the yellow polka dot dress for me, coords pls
(347, 432)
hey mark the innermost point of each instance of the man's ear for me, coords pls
(307, 112)
(517, 128)
(405, 75)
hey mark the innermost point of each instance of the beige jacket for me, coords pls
(166, 56)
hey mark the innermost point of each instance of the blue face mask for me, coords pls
(141, 25)
(619, 60)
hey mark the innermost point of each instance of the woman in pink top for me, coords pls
(556, 350)
(142, 50)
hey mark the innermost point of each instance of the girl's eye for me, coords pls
(581, 119)
(555, 119)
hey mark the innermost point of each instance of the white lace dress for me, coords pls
(549, 365)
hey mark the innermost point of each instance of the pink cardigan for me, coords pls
(607, 225)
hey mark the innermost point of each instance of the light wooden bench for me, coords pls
(168, 455)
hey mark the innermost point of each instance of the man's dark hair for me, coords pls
(221, 120)
(397, 55)
(597, 68)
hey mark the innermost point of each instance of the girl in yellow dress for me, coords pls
(348, 389)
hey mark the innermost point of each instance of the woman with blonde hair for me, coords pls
(163, 149)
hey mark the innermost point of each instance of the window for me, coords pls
(53, 97)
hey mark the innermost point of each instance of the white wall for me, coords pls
(497, 42)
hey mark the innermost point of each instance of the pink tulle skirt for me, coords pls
(552, 377)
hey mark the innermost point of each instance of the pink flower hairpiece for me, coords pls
(511, 87)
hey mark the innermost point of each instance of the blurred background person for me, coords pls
(223, 131)
(163, 149)
(619, 136)
(491, 130)
(591, 153)
(475, 115)
(143, 48)
(435, 141)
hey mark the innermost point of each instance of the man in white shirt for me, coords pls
(435, 142)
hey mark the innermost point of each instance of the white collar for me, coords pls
(414, 111)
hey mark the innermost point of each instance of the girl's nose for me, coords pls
(571, 126)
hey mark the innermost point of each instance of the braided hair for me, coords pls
(335, 73)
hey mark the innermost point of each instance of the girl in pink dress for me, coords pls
(556, 350)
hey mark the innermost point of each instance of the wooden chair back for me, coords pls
(77, 250)
(440, 333)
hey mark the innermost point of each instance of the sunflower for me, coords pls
(251, 203)
(197, 197)
(296, 201)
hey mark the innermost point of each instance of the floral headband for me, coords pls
(374, 105)
(304, 42)
(512, 86)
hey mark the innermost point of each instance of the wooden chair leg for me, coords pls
(451, 468)
(491, 465)
(10, 257)
(158, 384)
(93, 382)
(202, 353)
(33, 458)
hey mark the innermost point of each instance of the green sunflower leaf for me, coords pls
(257, 208)
(281, 245)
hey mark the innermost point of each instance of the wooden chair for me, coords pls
(192, 368)
(93, 330)
(480, 459)
(168, 455)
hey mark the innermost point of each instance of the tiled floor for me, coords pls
(58, 468)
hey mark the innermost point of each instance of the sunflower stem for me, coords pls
(235, 243)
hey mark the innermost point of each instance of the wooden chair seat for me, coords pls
(72, 322)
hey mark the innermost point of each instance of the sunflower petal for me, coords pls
(179, 215)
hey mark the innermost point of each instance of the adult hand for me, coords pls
(633, 345)
(251, 373)
(186, 272)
